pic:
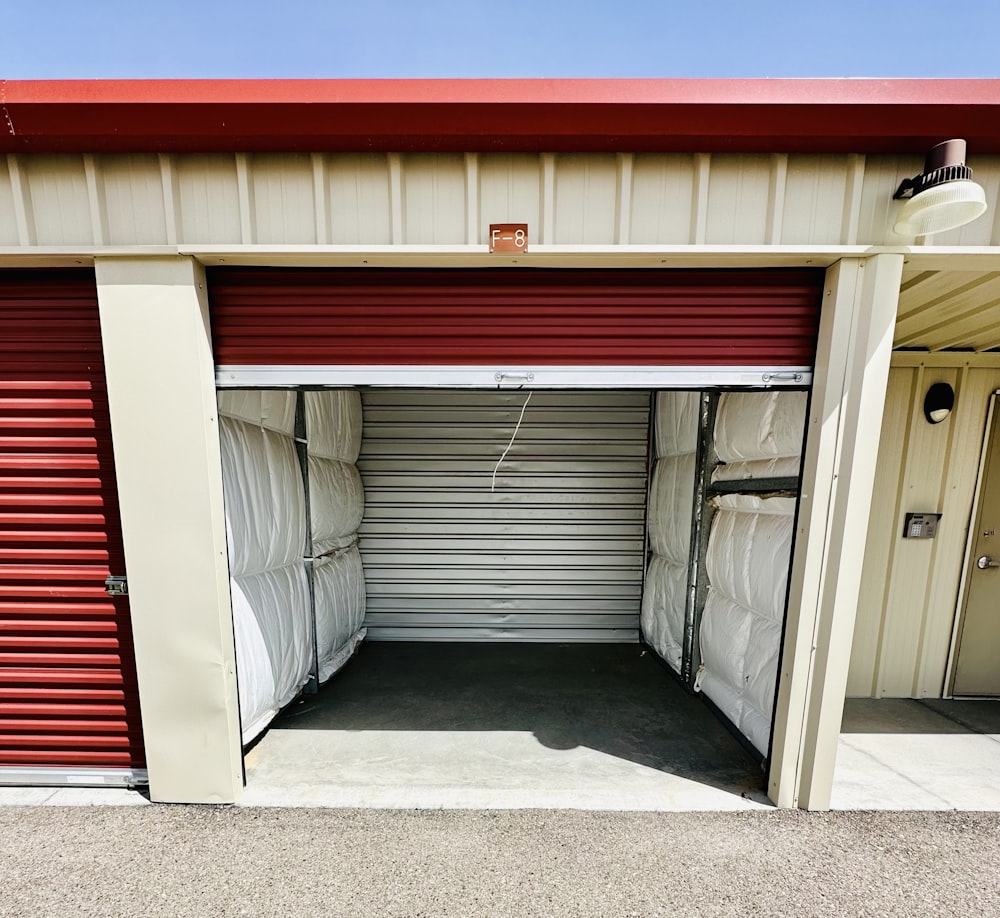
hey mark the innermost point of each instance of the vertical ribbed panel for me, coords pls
(555, 553)
(68, 693)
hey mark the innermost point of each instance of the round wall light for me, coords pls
(943, 196)
(938, 402)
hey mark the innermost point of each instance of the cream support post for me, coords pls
(164, 418)
(845, 417)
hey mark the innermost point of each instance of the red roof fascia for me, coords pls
(821, 116)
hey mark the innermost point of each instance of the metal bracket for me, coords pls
(116, 585)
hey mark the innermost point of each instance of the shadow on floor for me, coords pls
(613, 698)
(921, 716)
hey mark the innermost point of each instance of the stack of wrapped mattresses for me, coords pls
(269, 550)
(757, 435)
(669, 524)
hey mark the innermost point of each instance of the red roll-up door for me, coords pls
(590, 317)
(68, 696)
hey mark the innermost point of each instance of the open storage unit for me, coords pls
(431, 537)
(561, 504)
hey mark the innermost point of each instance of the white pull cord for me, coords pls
(493, 485)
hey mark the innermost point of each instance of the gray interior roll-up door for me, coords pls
(555, 552)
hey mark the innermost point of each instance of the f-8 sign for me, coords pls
(509, 237)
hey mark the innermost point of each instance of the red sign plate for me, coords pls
(509, 237)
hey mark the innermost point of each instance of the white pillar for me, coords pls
(844, 425)
(164, 423)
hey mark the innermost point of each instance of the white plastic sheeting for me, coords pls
(265, 505)
(759, 434)
(339, 584)
(676, 430)
(270, 408)
(747, 562)
(266, 532)
(671, 496)
(336, 502)
(271, 617)
(333, 419)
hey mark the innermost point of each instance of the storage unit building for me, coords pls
(298, 304)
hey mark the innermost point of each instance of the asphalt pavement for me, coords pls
(180, 860)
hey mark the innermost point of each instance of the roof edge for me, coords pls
(545, 115)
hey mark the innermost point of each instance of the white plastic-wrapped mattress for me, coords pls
(265, 528)
(671, 495)
(759, 435)
(337, 503)
(747, 563)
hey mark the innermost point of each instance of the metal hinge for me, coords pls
(116, 585)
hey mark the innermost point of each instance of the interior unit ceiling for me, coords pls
(949, 310)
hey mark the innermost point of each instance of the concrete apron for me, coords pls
(502, 726)
(903, 754)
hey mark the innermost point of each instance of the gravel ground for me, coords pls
(160, 860)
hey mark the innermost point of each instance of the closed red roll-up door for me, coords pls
(296, 317)
(68, 695)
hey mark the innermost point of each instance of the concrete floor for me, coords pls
(585, 727)
(576, 726)
(902, 754)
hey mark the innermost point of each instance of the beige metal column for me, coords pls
(161, 389)
(845, 418)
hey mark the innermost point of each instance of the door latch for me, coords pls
(985, 562)
(116, 585)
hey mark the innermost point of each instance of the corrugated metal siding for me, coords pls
(555, 553)
(378, 198)
(68, 693)
(546, 317)
(909, 587)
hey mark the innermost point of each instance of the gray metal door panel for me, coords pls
(554, 553)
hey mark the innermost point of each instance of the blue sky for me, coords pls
(499, 38)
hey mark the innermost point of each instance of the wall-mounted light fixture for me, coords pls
(943, 196)
(938, 402)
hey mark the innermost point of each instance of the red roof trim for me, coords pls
(864, 116)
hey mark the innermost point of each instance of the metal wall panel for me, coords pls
(542, 317)
(906, 610)
(68, 694)
(433, 199)
(133, 202)
(555, 552)
(208, 203)
(60, 210)
(355, 191)
(281, 194)
(9, 234)
(401, 199)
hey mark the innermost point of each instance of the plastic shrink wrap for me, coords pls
(337, 503)
(748, 555)
(265, 527)
(759, 434)
(671, 493)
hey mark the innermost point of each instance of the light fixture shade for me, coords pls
(940, 208)
(943, 196)
(938, 402)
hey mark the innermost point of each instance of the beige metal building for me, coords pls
(164, 199)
